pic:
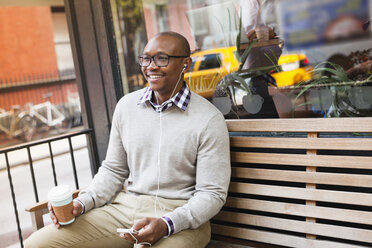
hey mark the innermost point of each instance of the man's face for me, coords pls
(164, 79)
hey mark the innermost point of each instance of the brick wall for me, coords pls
(27, 53)
(26, 41)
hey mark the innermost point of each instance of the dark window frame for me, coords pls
(97, 69)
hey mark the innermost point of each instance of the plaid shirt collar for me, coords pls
(181, 99)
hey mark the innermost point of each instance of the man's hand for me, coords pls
(76, 211)
(151, 230)
(251, 35)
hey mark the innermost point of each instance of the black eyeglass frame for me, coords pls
(152, 58)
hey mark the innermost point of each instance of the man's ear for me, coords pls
(187, 62)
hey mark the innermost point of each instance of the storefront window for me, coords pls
(38, 89)
(307, 58)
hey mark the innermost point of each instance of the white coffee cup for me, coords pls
(61, 199)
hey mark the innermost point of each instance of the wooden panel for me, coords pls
(341, 232)
(303, 160)
(304, 177)
(360, 124)
(309, 176)
(302, 193)
(313, 136)
(262, 43)
(37, 220)
(223, 243)
(241, 243)
(37, 206)
(346, 215)
(276, 238)
(303, 143)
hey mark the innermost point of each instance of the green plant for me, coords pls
(336, 87)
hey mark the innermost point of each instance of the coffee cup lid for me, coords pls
(59, 193)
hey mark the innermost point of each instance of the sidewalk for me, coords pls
(20, 157)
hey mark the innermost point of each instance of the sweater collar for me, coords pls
(181, 99)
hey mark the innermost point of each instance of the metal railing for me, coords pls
(28, 146)
(37, 78)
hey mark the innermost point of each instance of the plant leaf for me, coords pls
(238, 37)
(246, 53)
(278, 68)
(341, 76)
(243, 84)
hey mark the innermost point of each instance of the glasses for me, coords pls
(160, 60)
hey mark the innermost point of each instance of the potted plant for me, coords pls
(235, 95)
(332, 92)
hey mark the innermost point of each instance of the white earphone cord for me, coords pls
(179, 78)
(156, 202)
(159, 151)
(142, 243)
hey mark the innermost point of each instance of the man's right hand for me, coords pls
(76, 211)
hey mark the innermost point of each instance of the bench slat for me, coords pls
(337, 214)
(359, 124)
(303, 143)
(303, 160)
(304, 177)
(302, 193)
(276, 238)
(333, 231)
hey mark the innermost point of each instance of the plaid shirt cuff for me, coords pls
(82, 204)
(170, 225)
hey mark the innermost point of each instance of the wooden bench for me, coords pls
(297, 183)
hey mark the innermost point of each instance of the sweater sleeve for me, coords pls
(110, 177)
(212, 178)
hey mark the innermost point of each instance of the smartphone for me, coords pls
(123, 230)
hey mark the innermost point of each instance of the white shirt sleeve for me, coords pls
(250, 14)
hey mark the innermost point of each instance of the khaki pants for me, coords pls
(97, 228)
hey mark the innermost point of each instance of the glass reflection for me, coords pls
(296, 45)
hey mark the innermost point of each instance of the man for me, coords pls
(261, 14)
(175, 146)
(258, 13)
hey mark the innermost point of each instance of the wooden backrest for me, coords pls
(299, 183)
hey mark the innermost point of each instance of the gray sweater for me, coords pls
(194, 158)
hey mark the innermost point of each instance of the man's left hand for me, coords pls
(251, 35)
(150, 230)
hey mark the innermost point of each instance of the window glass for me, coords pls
(293, 48)
(39, 99)
(192, 66)
(210, 61)
(38, 90)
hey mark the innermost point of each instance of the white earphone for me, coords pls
(156, 201)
